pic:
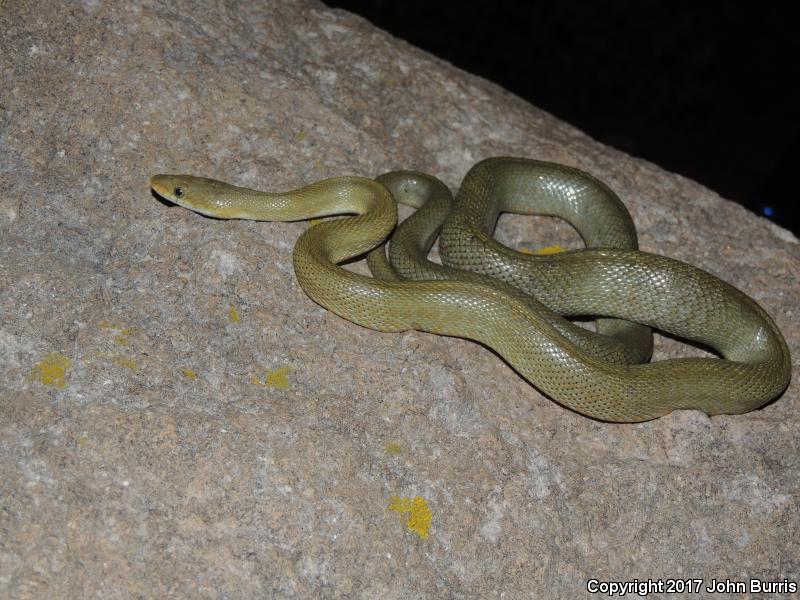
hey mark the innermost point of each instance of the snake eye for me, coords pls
(178, 192)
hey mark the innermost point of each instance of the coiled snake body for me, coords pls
(512, 302)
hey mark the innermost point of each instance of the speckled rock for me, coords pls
(177, 419)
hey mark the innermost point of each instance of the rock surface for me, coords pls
(177, 419)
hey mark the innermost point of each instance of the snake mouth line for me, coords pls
(165, 199)
(161, 192)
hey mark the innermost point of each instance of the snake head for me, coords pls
(200, 194)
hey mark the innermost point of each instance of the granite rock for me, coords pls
(177, 419)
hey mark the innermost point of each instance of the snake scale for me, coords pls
(517, 304)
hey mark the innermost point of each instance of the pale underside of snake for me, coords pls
(514, 303)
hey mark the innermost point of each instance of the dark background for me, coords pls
(708, 91)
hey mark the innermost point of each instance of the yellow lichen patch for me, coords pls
(82, 440)
(278, 378)
(316, 221)
(233, 313)
(301, 136)
(393, 448)
(419, 515)
(189, 374)
(275, 379)
(127, 362)
(52, 370)
(554, 249)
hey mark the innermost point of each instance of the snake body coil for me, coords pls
(590, 373)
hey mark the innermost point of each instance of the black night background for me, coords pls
(703, 89)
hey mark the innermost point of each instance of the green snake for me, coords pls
(517, 304)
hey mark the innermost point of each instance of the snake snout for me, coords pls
(180, 189)
(163, 186)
